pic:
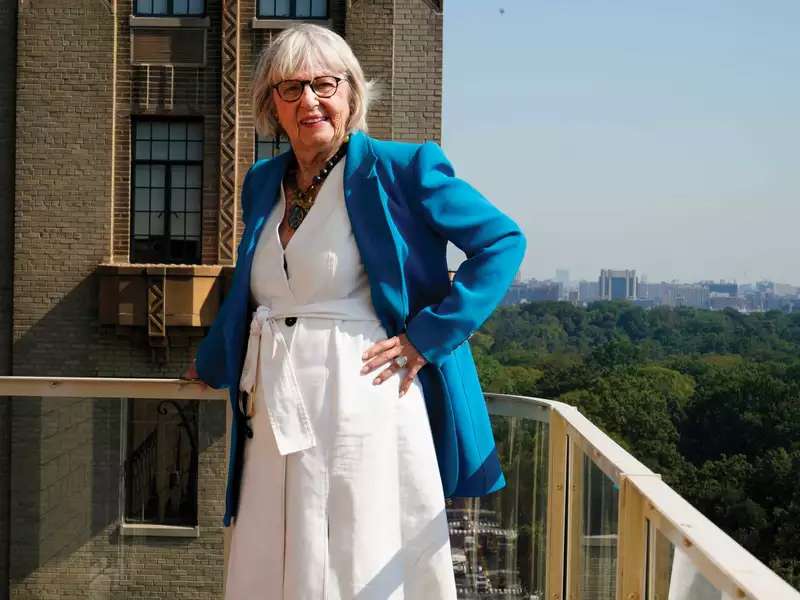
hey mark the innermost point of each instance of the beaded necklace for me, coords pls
(302, 201)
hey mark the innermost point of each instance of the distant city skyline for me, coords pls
(660, 137)
(573, 279)
(624, 285)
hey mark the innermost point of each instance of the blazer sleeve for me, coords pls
(210, 360)
(493, 243)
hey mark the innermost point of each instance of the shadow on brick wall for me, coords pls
(66, 498)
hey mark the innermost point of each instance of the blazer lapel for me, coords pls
(264, 195)
(367, 207)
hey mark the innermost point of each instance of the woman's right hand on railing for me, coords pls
(192, 375)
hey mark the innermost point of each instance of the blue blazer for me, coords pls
(404, 204)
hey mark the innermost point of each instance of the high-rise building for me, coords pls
(695, 296)
(126, 130)
(588, 291)
(723, 288)
(785, 289)
(545, 291)
(617, 285)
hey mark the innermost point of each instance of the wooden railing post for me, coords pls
(575, 524)
(556, 506)
(631, 543)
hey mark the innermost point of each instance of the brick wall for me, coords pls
(65, 456)
(417, 87)
(370, 32)
(7, 94)
(399, 45)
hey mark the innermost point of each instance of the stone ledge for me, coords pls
(170, 268)
(261, 23)
(161, 295)
(138, 21)
(150, 530)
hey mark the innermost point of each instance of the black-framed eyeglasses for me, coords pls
(324, 86)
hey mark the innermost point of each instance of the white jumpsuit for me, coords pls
(340, 493)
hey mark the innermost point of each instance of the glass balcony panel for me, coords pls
(498, 541)
(675, 577)
(96, 477)
(598, 533)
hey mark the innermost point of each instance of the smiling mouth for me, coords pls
(313, 120)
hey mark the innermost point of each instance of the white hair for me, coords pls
(307, 47)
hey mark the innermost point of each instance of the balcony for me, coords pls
(580, 517)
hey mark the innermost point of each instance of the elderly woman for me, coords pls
(357, 407)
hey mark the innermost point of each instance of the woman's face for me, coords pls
(314, 123)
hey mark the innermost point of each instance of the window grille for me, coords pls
(167, 175)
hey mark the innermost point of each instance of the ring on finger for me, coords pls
(401, 361)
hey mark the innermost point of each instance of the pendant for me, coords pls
(296, 216)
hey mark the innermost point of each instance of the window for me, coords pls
(167, 174)
(161, 458)
(271, 147)
(293, 9)
(170, 8)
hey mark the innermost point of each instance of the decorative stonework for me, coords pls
(436, 5)
(228, 126)
(156, 313)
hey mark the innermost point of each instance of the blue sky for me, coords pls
(657, 135)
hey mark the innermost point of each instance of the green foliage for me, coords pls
(503, 378)
(711, 400)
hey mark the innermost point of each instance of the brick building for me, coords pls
(125, 132)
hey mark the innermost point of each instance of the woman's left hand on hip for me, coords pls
(387, 351)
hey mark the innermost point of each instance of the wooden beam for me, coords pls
(108, 387)
(556, 506)
(631, 544)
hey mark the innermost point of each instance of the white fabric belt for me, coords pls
(269, 361)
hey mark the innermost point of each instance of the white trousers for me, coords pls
(361, 513)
